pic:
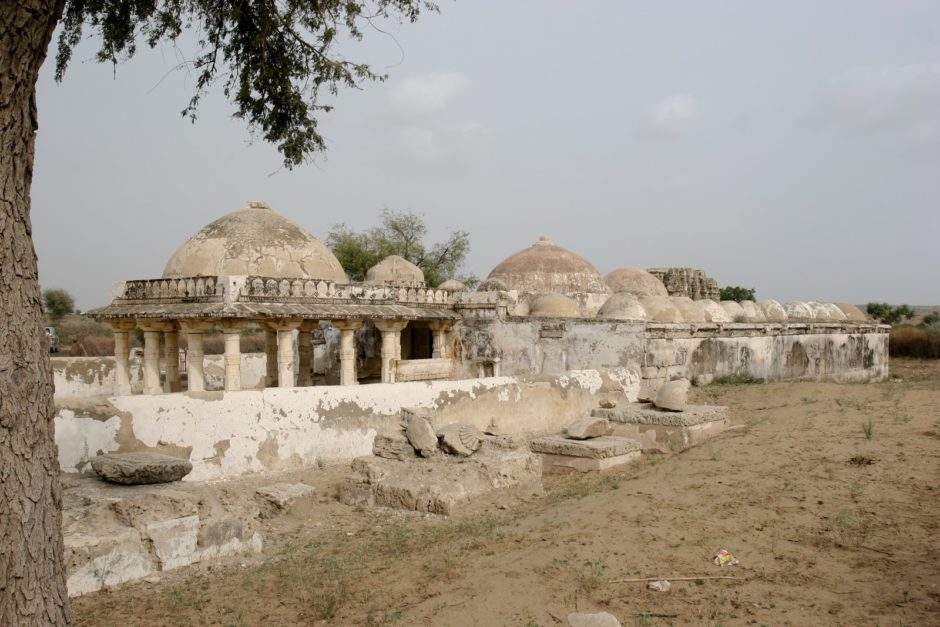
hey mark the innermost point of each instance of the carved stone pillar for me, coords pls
(391, 346)
(347, 350)
(439, 331)
(305, 351)
(270, 352)
(232, 329)
(285, 351)
(152, 330)
(122, 366)
(171, 355)
(195, 373)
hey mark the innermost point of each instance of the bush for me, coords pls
(737, 294)
(83, 337)
(917, 342)
(58, 303)
(887, 314)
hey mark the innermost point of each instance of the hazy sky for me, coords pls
(789, 146)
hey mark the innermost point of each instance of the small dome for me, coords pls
(798, 310)
(773, 311)
(713, 311)
(661, 309)
(753, 311)
(852, 312)
(545, 268)
(254, 240)
(395, 270)
(691, 310)
(734, 310)
(622, 306)
(554, 306)
(635, 281)
(453, 285)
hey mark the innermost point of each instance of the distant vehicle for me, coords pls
(53, 336)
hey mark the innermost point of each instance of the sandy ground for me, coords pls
(829, 498)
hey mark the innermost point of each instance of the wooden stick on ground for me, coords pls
(648, 579)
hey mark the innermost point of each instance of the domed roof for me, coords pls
(453, 285)
(661, 309)
(852, 312)
(546, 267)
(635, 281)
(622, 306)
(554, 306)
(254, 240)
(396, 270)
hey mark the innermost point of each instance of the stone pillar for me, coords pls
(285, 351)
(122, 366)
(305, 350)
(270, 352)
(152, 330)
(439, 332)
(194, 355)
(347, 350)
(171, 355)
(232, 329)
(391, 346)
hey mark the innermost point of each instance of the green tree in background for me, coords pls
(401, 233)
(58, 303)
(736, 293)
(887, 314)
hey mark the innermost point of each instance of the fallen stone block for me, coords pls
(393, 446)
(440, 485)
(140, 468)
(460, 438)
(673, 395)
(419, 432)
(281, 496)
(587, 428)
(560, 454)
(597, 619)
(663, 431)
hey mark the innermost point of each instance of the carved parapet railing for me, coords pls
(258, 288)
(200, 288)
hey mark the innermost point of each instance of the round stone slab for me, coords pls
(140, 468)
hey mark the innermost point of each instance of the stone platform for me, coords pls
(561, 454)
(664, 431)
(439, 485)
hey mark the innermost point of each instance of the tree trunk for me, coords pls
(32, 571)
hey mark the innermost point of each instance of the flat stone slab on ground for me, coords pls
(598, 619)
(140, 468)
(441, 484)
(597, 448)
(283, 495)
(647, 414)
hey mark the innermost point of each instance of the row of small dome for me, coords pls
(627, 306)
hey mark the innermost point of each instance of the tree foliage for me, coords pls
(737, 294)
(887, 314)
(58, 303)
(275, 59)
(401, 233)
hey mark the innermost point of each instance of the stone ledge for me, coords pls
(647, 414)
(596, 448)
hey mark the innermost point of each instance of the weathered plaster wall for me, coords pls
(225, 434)
(841, 351)
(94, 376)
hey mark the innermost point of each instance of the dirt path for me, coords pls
(828, 497)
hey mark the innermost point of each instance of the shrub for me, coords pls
(918, 342)
(887, 314)
(736, 293)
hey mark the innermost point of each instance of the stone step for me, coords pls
(561, 454)
(663, 431)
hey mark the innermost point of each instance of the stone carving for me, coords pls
(140, 468)
(687, 282)
(673, 395)
(419, 432)
(460, 438)
(393, 446)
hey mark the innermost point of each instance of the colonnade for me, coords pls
(279, 351)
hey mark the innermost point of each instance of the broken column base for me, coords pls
(560, 454)
(441, 484)
(662, 431)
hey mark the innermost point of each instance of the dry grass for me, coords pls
(917, 342)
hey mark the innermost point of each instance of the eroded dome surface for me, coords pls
(635, 281)
(255, 240)
(622, 306)
(554, 306)
(395, 270)
(546, 267)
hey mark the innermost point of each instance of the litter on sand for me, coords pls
(724, 558)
